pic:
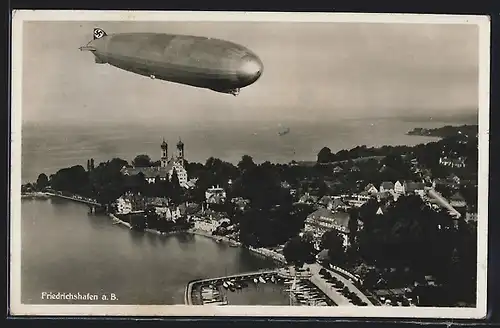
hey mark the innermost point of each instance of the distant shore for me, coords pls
(445, 131)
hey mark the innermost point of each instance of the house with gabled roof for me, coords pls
(325, 200)
(337, 205)
(386, 186)
(371, 189)
(412, 187)
(308, 199)
(399, 187)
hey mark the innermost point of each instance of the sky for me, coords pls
(312, 71)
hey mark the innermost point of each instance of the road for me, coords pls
(335, 295)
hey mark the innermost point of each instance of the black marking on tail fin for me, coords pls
(99, 33)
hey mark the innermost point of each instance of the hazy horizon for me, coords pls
(314, 72)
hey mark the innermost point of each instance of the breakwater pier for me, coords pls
(194, 290)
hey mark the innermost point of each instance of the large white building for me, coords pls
(129, 202)
(166, 168)
(123, 205)
(215, 195)
(324, 220)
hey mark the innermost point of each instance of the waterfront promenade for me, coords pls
(330, 291)
(189, 288)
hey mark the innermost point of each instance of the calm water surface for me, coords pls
(46, 149)
(66, 250)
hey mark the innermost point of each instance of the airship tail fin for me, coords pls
(99, 33)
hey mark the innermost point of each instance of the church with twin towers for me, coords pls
(176, 163)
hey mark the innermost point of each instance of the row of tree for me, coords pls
(427, 154)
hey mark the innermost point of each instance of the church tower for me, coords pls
(180, 151)
(164, 153)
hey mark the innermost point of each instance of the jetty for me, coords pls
(74, 198)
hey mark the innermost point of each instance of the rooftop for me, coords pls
(387, 185)
(340, 217)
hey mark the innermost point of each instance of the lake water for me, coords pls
(48, 148)
(66, 250)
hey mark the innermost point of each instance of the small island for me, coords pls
(446, 131)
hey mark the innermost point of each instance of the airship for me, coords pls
(196, 61)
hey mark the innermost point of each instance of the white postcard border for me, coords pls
(16, 306)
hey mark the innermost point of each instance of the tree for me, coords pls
(353, 225)
(138, 183)
(142, 161)
(174, 180)
(246, 163)
(308, 237)
(42, 182)
(334, 243)
(298, 251)
(324, 155)
(73, 179)
(175, 188)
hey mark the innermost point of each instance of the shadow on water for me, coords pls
(256, 260)
(184, 239)
(59, 201)
(152, 238)
(163, 240)
(97, 221)
(137, 237)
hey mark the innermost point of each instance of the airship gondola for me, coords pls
(196, 61)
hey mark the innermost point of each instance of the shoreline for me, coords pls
(197, 232)
(266, 253)
(423, 135)
(259, 251)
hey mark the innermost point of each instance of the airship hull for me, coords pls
(196, 61)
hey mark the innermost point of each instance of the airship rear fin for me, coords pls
(99, 33)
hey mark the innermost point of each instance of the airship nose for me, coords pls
(250, 69)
